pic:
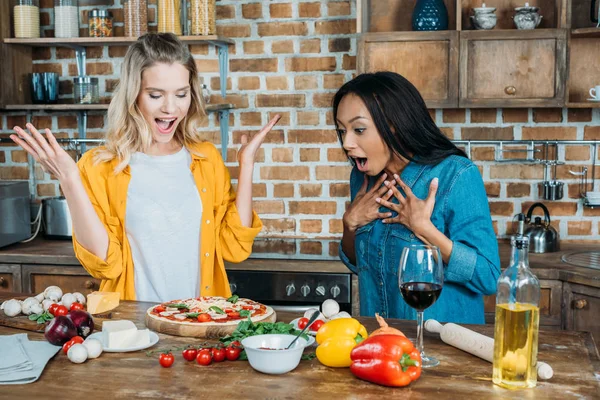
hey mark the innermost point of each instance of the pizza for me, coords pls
(210, 311)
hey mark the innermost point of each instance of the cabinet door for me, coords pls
(429, 60)
(550, 305)
(581, 308)
(10, 278)
(512, 68)
(69, 278)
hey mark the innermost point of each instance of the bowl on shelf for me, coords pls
(268, 353)
(593, 197)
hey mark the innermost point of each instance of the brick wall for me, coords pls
(289, 57)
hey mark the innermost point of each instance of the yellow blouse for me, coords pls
(223, 235)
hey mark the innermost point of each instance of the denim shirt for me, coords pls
(462, 213)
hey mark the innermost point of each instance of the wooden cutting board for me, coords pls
(23, 322)
(207, 332)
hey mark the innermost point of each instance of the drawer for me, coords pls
(70, 279)
(10, 278)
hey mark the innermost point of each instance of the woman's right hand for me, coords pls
(364, 208)
(51, 156)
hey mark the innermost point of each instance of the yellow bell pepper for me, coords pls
(336, 339)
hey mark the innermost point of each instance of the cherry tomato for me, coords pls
(233, 314)
(77, 306)
(190, 354)
(61, 311)
(218, 354)
(159, 309)
(204, 357)
(77, 339)
(249, 308)
(204, 318)
(232, 353)
(302, 322)
(67, 346)
(316, 325)
(166, 359)
(235, 343)
(52, 308)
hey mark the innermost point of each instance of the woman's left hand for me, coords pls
(247, 153)
(413, 212)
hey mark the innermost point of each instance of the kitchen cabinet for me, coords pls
(409, 54)
(70, 279)
(10, 278)
(512, 69)
(581, 308)
(551, 294)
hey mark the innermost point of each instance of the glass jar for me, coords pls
(86, 89)
(135, 14)
(100, 23)
(169, 16)
(204, 17)
(26, 19)
(66, 19)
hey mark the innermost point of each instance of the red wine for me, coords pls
(420, 295)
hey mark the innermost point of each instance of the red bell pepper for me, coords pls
(388, 360)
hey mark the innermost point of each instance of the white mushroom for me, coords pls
(46, 304)
(12, 308)
(53, 293)
(27, 306)
(330, 307)
(80, 297)
(93, 346)
(77, 353)
(68, 299)
(40, 297)
(2, 305)
(36, 308)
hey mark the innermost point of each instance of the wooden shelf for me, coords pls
(109, 41)
(588, 104)
(91, 107)
(585, 33)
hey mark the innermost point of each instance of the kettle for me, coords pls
(543, 238)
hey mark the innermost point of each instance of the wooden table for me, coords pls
(460, 375)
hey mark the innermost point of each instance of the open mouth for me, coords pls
(361, 163)
(165, 125)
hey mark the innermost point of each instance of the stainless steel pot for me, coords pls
(543, 238)
(57, 218)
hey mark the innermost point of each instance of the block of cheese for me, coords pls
(123, 334)
(99, 302)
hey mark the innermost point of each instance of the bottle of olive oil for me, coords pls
(517, 321)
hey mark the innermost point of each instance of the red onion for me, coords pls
(83, 322)
(60, 330)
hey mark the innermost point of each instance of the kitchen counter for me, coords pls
(460, 375)
(545, 266)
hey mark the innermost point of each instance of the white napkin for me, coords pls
(22, 360)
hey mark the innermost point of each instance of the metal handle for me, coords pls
(3, 282)
(581, 303)
(89, 284)
(510, 90)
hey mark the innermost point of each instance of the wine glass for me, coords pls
(421, 277)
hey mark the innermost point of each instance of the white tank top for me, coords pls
(162, 221)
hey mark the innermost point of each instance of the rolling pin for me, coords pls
(475, 343)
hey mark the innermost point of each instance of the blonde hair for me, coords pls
(128, 131)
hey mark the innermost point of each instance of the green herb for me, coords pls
(41, 318)
(178, 305)
(309, 356)
(233, 299)
(245, 313)
(216, 309)
(248, 328)
(192, 314)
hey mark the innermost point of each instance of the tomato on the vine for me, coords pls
(302, 322)
(190, 354)
(166, 359)
(204, 357)
(77, 306)
(61, 311)
(316, 325)
(218, 354)
(204, 317)
(52, 308)
(232, 353)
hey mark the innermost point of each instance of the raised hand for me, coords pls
(51, 156)
(364, 208)
(247, 153)
(413, 212)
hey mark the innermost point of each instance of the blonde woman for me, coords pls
(154, 213)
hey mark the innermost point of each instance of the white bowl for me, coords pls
(274, 361)
(592, 195)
